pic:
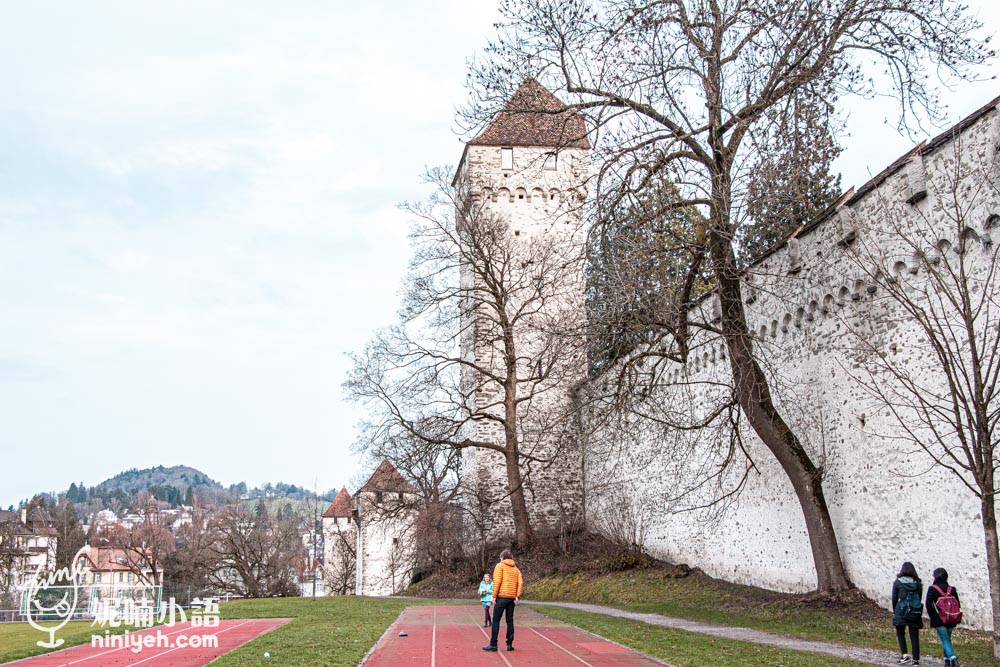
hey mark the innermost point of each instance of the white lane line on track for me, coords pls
(434, 636)
(500, 653)
(153, 657)
(122, 648)
(560, 647)
(31, 657)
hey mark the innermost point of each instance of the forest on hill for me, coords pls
(168, 486)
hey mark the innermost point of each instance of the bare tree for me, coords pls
(938, 267)
(14, 558)
(430, 511)
(624, 517)
(191, 564)
(339, 569)
(638, 261)
(472, 278)
(70, 535)
(398, 570)
(143, 547)
(679, 89)
(255, 554)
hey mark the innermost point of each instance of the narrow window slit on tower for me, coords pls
(506, 158)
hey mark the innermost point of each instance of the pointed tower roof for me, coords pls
(534, 117)
(387, 478)
(341, 506)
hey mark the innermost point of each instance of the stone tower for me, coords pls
(529, 168)
(369, 541)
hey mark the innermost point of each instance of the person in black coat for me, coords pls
(937, 589)
(907, 593)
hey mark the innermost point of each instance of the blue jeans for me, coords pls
(944, 634)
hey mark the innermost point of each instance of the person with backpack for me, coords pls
(945, 612)
(907, 612)
(486, 597)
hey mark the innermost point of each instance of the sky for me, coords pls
(198, 221)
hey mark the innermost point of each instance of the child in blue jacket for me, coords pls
(486, 597)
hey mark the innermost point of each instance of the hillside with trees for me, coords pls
(169, 487)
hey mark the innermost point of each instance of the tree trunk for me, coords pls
(515, 485)
(988, 511)
(754, 396)
(522, 526)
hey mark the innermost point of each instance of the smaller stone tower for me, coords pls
(379, 556)
(339, 544)
(530, 168)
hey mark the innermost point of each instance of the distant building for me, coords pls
(310, 572)
(110, 576)
(105, 518)
(28, 543)
(380, 557)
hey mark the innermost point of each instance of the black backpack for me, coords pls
(908, 607)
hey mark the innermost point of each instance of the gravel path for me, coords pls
(868, 655)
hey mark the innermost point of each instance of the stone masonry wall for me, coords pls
(536, 202)
(810, 306)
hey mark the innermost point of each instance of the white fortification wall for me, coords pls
(536, 202)
(388, 555)
(887, 501)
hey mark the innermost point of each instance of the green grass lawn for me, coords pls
(330, 632)
(688, 649)
(701, 598)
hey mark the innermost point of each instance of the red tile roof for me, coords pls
(105, 559)
(341, 506)
(387, 478)
(534, 117)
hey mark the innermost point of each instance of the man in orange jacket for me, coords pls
(508, 585)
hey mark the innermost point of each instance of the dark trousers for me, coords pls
(503, 606)
(900, 637)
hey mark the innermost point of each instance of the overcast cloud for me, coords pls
(198, 219)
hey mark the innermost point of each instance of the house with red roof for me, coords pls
(109, 576)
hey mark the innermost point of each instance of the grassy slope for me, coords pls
(684, 649)
(853, 621)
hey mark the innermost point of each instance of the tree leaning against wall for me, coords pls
(677, 89)
(935, 258)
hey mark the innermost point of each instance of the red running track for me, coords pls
(229, 635)
(453, 635)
